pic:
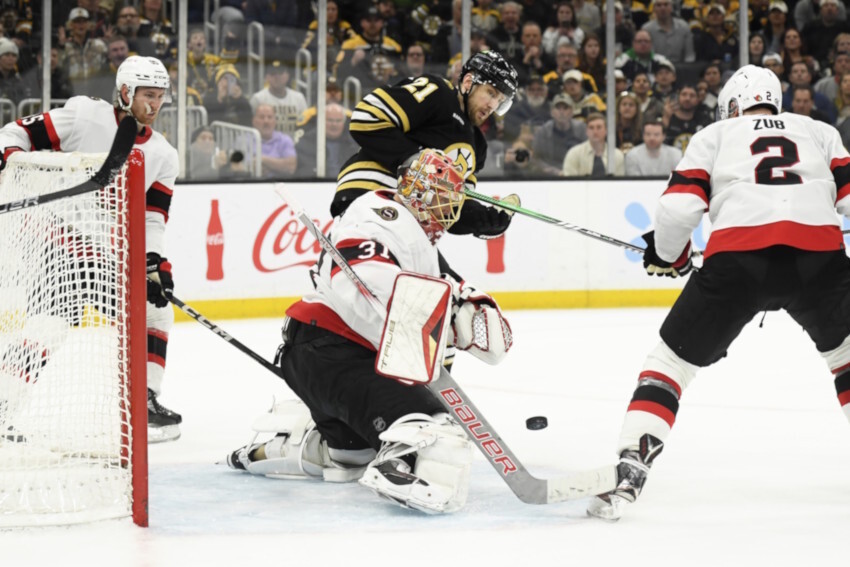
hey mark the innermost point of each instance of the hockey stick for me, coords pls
(125, 137)
(525, 486)
(191, 312)
(563, 224)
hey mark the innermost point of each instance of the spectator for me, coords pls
(204, 158)
(278, 149)
(153, 20)
(127, 25)
(842, 99)
(664, 88)
(682, 119)
(447, 44)
(651, 108)
(557, 136)
(333, 94)
(793, 50)
(566, 58)
(820, 34)
(713, 79)
(484, 16)
(202, 64)
(12, 86)
(536, 11)
(592, 62)
(583, 102)
(718, 40)
(624, 29)
(563, 28)
(800, 76)
(803, 103)
(841, 43)
(370, 56)
(193, 97)
(414, 60)
(60, 84)
(587, 15)
(773, 61)
(227, 103)
(590, 158)
(519, 159)
(531, 110)
(828, 86)
(757, 48)
(339, 31)
(652, 158)
(394, 20)
(83, 55)
(288, 104)
(534, 60)
(640, 58)
(804, 12)
(102, 85)
(671, 36)
(339, 145)
(620, 82)
(629, 122)
(759, 10)
(777, 20)
(506, 38)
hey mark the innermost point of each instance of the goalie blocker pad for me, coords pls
(414, 337)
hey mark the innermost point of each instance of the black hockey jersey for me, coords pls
(392, 123)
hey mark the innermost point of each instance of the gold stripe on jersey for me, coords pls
(394, 106)
(369, 126)
(382, 120)
(360, 184)
(364, 165)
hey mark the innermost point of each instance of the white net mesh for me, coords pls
(64, 401)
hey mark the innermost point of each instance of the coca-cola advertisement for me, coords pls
(241, 244)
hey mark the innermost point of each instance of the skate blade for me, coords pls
(163, 434)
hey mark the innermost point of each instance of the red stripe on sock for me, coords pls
(655, 409)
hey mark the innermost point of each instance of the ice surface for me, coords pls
(756, 471)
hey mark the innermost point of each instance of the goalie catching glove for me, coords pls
(656, 266)
(160, 283)
(478, 326)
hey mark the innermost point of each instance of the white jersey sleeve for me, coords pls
(765, 181)
(88, 125)
(379, 238)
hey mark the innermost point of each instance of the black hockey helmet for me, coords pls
(491, 68)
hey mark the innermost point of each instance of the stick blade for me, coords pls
(122, 145)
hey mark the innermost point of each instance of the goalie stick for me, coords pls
(191, 312)
(123, 143)
(525, 486)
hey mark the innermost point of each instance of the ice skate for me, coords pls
(163, 424)
(631, 476)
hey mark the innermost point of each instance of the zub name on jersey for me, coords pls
(762, 123)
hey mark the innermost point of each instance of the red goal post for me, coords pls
(73, 344)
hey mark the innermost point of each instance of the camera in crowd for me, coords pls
(521, 155)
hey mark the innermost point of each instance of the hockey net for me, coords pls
(73, 421)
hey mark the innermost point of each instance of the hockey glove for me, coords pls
(478, 326)
(6, 153)
(658, 267)
(160, 283)
(481, 220)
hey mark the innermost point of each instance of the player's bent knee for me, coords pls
(424, 464)
(838, 359)
(667, 364)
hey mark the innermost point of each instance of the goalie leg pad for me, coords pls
(297, 451)
(438, 481)
(481, 330)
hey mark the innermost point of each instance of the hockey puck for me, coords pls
(536, 423)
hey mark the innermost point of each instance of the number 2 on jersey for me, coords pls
(787, 157)
(420, 88)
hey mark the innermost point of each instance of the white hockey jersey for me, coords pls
(764, 181)
(89, 125)
(379, 238)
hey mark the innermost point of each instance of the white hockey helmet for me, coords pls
(432, 189)
(137, 71)
(749, 87)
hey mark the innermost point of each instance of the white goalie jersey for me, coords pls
(89, 125)
(379, 238)
(764, 180)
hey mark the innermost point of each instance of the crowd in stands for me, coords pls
(672, 58)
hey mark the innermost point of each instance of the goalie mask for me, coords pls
(137, 71)
(749, 87)
(432, 189)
